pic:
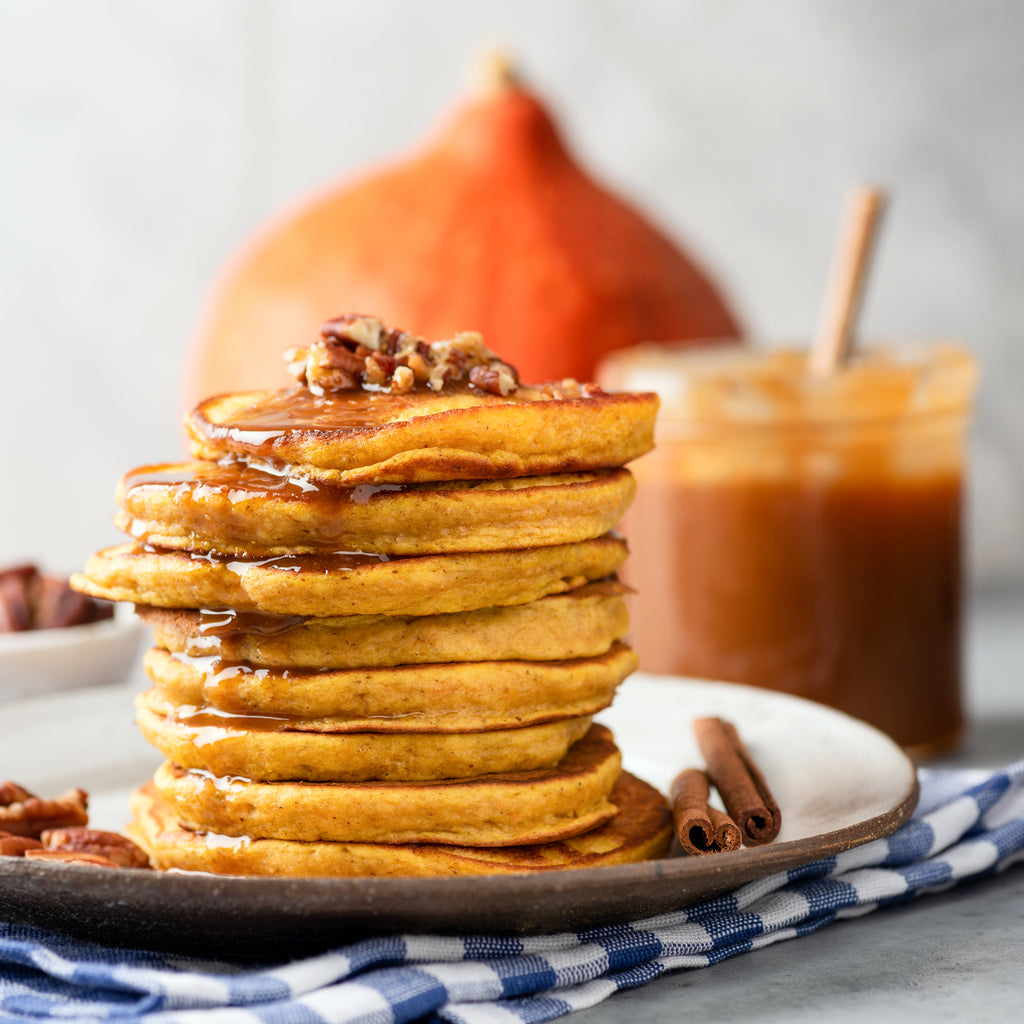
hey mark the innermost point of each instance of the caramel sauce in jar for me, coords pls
(804, 535)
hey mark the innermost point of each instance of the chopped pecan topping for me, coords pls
(23, 814)
(360, 352)
(402, 380)
(378, 368)
(111, 845)
(367, 331)
(569, 387)
(496, 380)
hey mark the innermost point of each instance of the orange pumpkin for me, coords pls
(492, 226)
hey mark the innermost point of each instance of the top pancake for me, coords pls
(360, 437)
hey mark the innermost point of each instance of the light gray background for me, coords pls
(141, 142)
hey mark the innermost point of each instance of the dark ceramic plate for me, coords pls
(838, 781)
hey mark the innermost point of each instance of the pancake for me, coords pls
(504, 809)
(460, 697)
(460, 433)
(347, 583)
(582, 623)
(641, 830)
(268, 749)
(237, 510)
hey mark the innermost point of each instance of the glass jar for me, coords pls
(803, 533)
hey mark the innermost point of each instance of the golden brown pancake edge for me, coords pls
(641, 830)
(275, 750)
(579, 623)
(459, 697)
(506, 809)
(236, 510)
(477, 438)
(311, 585)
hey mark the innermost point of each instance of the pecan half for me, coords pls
(31, 600)
(24, 814)
(360, 352)
(15, 609)
(367, 331)
(15, 846)
(12, 793)
(111, 845)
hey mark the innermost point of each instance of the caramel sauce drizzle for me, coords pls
(224, 710)
(240, 482)
(321, 562)
(219, 679)
(275, 414)
(211, 724)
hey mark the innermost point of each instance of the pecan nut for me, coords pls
(15, 846)
(31, 600)
(360, 330)
(15, 608)
(569, 387)
(112, 845)
(24, 814)
(496, 379)
(402, 380)
(12, 793)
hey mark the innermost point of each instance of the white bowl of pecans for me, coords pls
(52, 638)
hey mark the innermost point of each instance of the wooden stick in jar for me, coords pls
(834, 340)
(738, 780)
(701, 828)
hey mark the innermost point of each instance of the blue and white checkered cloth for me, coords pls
(967, 825)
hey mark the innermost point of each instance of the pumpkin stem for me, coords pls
(495, 73)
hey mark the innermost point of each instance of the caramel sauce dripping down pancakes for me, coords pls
(384, 611)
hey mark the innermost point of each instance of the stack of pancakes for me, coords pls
(383, 623)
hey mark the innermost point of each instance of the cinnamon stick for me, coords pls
(738, 780)
(701, 829)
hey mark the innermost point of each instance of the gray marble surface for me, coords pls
(953, 956)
